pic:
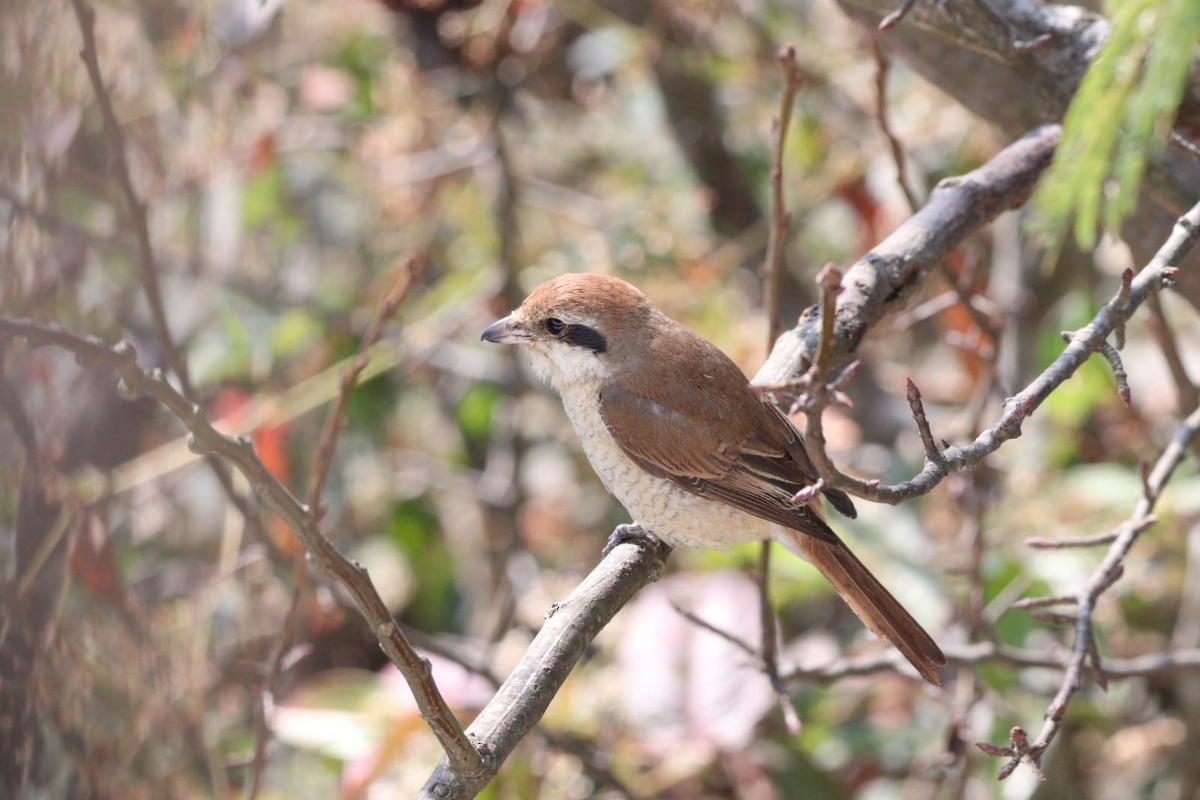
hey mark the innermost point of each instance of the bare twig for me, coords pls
(1122, 296)
(1040, 543)
(1159, 273)
(969, 655)
(780, 219)
(1017, 749)
(334, 416)
(815, 387)
(881, 281)
(932, 453)
(239, 451)
(265, 701)
(147, 260)
(324, 458)
(1083, 652)
(971, 497)
(770, 649)
(770, 667)
(135, 207)
(1114, 361)
(882, 66)
(772, 269)
(720, 633)
(982, 311)
(1055, 617)
(1030, 603)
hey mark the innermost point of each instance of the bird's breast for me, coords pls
(671, 513)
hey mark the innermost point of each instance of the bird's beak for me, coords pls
(504, 331)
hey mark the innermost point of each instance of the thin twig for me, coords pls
(1040, 543)
(770, 648)
(880, 283)
(971, 497)
(816, 390)
(882, 67)
(324, 458)
(1083, 651)
(135, 207)
(147, 260)
(970, 300)
(772, 270)
(1158, 274)
(720, 633)
(334, 416)
(780, 219)
(918, 411)
(970, 655)
(204, 438)
(1030, 603)
(264, 703)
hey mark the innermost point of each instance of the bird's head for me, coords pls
(577, 327)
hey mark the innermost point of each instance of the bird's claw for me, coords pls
(633, 534)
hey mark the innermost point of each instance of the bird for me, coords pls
(675, 432)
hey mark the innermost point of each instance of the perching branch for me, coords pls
(204, 438)
(569, 629)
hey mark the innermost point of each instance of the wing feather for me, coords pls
(760, 478)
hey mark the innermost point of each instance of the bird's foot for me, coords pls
(633, 534)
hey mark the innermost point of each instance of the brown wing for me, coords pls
(734, 447)
(728, 445)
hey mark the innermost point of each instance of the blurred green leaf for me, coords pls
(1014, 625)
(474, 410)
(1119, 118)
(362, 57)
(413, 528)
(371, 402)
(262, 198)
(233, 360)
(294, 331)
(1069, 407)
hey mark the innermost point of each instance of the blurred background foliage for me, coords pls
(294, 158)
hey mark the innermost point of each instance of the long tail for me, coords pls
(873, 604)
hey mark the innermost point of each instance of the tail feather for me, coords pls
(867, 597)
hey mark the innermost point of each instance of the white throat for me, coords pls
(568, 369)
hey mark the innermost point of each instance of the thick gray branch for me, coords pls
(880, 283)
(978, 51)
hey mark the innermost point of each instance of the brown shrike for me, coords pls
(673, 429)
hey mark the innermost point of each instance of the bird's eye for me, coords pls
(555, 326)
